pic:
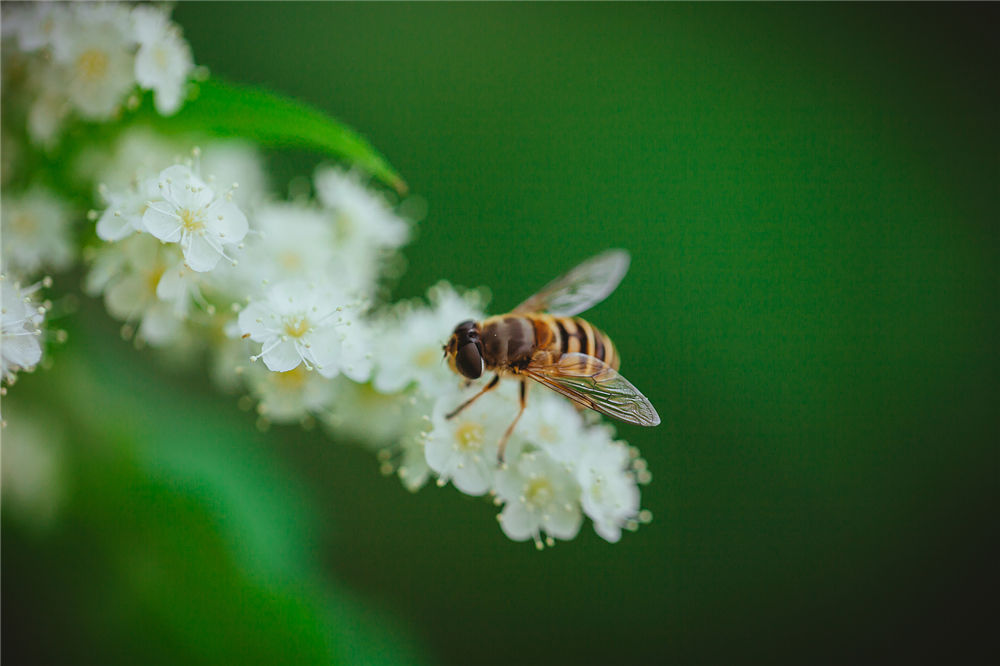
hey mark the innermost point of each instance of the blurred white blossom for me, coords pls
(91, 57)
(33, 478)
(21, 324)
(409, 350)
(129, 275)
(36, 232)
(163, 62)
(93, 45)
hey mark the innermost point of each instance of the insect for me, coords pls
(541, 339)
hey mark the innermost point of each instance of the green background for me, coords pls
(810, 197)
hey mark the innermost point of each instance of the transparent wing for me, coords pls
(595, 385)
(583, 287)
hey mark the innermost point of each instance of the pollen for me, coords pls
(291, 380)
(191, 220)
(296, 327)
(427, 357)
(539, 492)
(290, 260)
(24, 223)
(469, 436)
(153, 278)
(92, 65)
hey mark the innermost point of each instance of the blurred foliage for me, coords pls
(269, 119)
(810, 196)
(178, 535)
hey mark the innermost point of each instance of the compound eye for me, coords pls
(469, 361)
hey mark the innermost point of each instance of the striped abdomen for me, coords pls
(570, 335)
(512, 340)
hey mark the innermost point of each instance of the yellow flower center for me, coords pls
(153, 278)
(191, 220)
(427, 357)
(24, 224)
(345, 225)
(160, 56)
(290, 260)
(469, 436)
(547, 433)
(291, 380)
(539, 492)
(92, 64)
(297, 327)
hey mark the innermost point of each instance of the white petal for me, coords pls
(168, 100)
(148, 23)
(561, 522)
(517, 522)
(22, 350)
(159, 325)
(325, 351)
(125, 298)
(473, 477)
(161, 220)
(610, 532)
(183, 189)
(114, 225)
(171, 286)
(200, 255)
(256, 320)
(283, 357)
(438, 452)
(227, 221)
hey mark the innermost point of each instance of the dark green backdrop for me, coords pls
(810, 195)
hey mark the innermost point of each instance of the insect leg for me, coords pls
(510, 428)
(489, 387)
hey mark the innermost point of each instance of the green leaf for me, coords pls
(270, 119)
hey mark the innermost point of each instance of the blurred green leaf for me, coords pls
(181, 536)
(228, 109)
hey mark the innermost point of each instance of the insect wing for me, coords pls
(595, 385)
(583, 287)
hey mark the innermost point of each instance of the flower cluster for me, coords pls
(190, 249)
(88, 59)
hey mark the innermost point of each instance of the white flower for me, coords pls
(540, 495)
(363, 217)
(409, 348)
(94, 46)
(299, 323)
(552, 423)
(190, 213)
(463, 449)
(125, 210)
(140, 153)
(372, 418)
(36, 232)
(34, 484)
(286, 397)
(129, 274)
(164, 60)
(610, 494)
(32, 23)
(20, 323)
(137, 154)
(235, 162)
(292, 242)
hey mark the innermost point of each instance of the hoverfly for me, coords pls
(541, 339)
